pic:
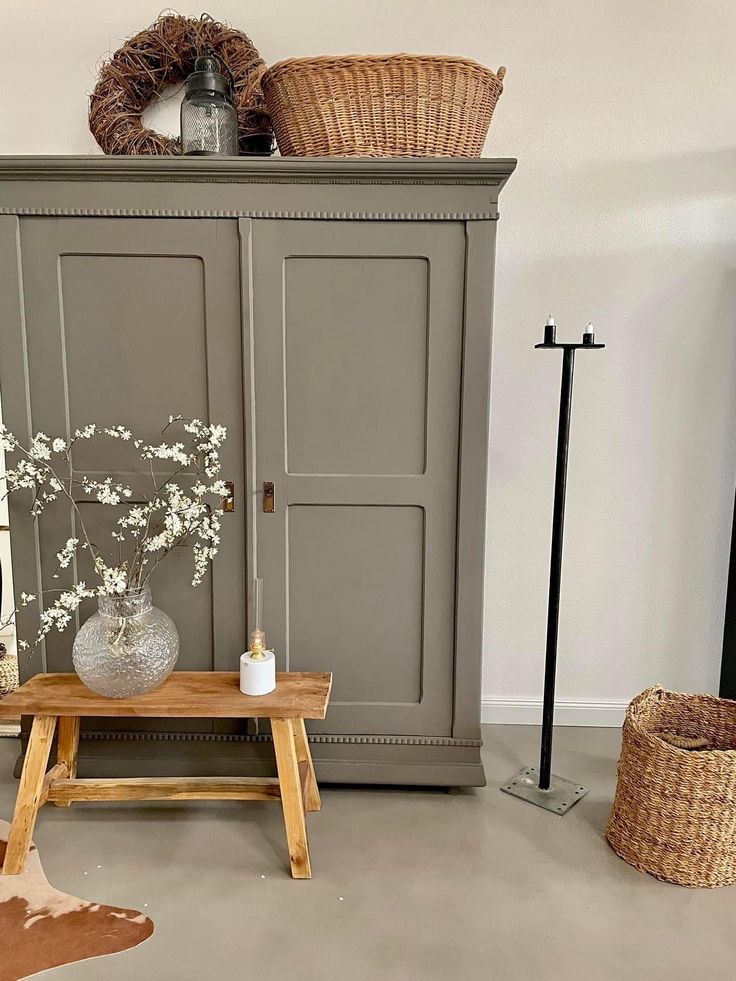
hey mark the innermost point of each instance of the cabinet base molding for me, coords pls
(380, 760)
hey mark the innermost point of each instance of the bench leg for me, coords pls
(68, 749)
(291, 797)
(311, 791)
(29, 793)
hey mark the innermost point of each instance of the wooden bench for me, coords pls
(63, 699)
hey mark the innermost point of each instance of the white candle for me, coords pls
(550, 330)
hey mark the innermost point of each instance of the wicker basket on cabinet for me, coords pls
(381, 105)
(674, 815)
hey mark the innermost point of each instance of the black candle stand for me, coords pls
(541, 786)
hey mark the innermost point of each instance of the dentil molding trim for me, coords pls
(209, 737)
(491, 215)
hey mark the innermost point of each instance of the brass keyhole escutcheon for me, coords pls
(269, 497)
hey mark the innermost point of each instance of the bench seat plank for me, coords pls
(185, 694)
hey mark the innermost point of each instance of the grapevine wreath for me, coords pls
(162, 55)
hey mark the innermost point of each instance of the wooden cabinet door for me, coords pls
(355, 369)
(128, 321)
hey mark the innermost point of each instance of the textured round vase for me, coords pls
(127, 648)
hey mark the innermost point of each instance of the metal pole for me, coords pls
(539, 785)
(555, 567)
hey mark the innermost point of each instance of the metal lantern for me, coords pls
(209, 123)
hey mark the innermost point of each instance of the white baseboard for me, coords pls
(9, 728)
(568, 712)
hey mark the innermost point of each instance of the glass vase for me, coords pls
(127, 648)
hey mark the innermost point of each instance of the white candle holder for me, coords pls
(257, 673)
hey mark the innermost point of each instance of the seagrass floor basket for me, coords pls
(8, 673)
(381, 105)
(674, 814)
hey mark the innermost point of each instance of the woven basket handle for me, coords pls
(653, 694)
(501, 73)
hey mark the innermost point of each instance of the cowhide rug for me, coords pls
(41, 927)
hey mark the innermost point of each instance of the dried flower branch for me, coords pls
(152, 524)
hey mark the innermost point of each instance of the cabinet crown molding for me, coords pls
(260, 170)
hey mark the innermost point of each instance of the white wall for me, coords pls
(622, 211)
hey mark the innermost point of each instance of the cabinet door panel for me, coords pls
(357, 343)
(356, 364)
(129, 321)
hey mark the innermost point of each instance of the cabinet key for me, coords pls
(269, 497)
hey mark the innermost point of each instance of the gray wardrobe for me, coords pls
(336, 316)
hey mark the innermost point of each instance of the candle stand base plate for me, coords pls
(561, 796)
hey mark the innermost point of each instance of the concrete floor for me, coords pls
(409, 885)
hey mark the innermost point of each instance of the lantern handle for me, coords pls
(209, 51)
